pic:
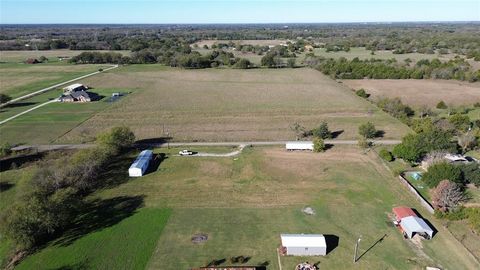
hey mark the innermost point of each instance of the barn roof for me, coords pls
(142, 158)
(73, 86)
(402, 212)
(303, 240)
(415, 224)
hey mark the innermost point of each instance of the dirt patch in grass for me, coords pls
(421, 92)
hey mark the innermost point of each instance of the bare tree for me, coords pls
(298, 129)
(433, 157)
(447, 195)
(467, 141)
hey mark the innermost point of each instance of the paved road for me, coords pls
(55, 86)
(50, 147)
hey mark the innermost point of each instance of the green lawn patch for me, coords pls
(125, 245)
(47, 123)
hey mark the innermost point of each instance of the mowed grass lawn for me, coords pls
(18, 79)
(126, 245)
(231, 105)
(46, 124)
(244, 203)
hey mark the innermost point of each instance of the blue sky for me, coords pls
(235, 11)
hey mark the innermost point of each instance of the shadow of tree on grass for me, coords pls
(100, 214)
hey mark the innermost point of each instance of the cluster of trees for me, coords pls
(57, 190)
(415, 146)
(342, 68)
(396, 108)
(184, 59)
(273, 58)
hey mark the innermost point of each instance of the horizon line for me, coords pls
(246, 23)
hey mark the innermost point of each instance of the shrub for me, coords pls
(367, 130)
(386, 155)
(476, 105)
(4, 98)
(322, 131)
(243, 64)
(460, 121)
(363, 143)
(362, 93)
(441, 171)
(5, 149)
(471, 173)
(442, 105)
(117, 138)
(318, 145)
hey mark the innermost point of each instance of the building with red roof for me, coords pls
(403, 212)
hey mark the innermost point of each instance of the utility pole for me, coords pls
(356, 249)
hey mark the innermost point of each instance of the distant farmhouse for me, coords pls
(76, 93)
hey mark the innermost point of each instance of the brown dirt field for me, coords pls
(231, 105)
(421, 92)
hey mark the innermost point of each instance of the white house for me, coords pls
(414, 225)
(304, 244)
(299, 145)
(140, 165)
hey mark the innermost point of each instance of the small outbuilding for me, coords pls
(304, 244)
(299, 145)
(401, 212)
(414, 225)
(75, 88)
(140, 165)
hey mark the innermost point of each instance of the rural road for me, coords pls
(51, 147)
(29, 110)
(55, 86)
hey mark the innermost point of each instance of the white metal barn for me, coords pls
(412, 225)
(299, 145)
(75, 87)
(304, 244)
(140, 165)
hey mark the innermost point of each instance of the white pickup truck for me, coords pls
(185, 153)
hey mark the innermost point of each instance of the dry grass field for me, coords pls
(421, 92)
(231, 105)
(362, 53)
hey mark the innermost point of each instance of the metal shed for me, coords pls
(414, 225)
(299, 145)
(403, 212)
(140, 165)
(304, 244)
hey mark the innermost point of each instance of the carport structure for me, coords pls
(414, 225)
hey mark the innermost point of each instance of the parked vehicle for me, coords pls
(185, 153)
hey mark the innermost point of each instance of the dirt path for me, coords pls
(231, 154)
(51, 147)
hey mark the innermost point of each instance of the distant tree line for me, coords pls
(184, 59)
(428, 38)
(342, 68)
